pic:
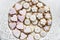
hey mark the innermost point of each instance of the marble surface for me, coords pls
(53, 34)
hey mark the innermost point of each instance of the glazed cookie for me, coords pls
(29, 20)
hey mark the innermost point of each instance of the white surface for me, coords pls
(5, 32)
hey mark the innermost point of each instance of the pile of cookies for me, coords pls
(29, 19)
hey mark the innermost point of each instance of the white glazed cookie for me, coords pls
(23, 36)
(37, 36)
(40, 5)
(18, 6)
(34, 8)
(16, 33)
(29, 20)
(39, 15)
(26, 5)
(32, 17)
(37, 29)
